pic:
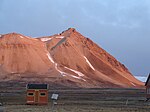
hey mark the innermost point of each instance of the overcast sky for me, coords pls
(121, 27)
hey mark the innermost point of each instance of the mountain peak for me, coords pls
(13, 35)
(71, 29)
(68, 32)
(16, 39)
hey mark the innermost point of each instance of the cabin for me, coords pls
(147, 84)
(37, 94)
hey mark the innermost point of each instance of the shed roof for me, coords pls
(148, 80)
(37, 86)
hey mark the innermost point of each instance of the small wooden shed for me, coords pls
(147, 84)
(37, 94)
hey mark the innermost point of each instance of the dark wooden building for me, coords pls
(37, 94)
(147, 84)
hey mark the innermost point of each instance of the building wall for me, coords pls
(43, 96)
(148, 83)
(148, 90)
(30, 98)
(37, 96)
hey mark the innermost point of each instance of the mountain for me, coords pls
(21, 56)
(66, 59)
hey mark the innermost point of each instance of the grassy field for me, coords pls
(80, 100)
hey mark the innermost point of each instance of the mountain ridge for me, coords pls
(67, 58)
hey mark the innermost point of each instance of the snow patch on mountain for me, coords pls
(28, 37)
(69, 75)
(56, 65)
(132, 83)
(21, 37)
(77, 77)
(45, 39)
(50, 58)
(0, 35)
(77, 72)
(89, 63)
(60, 37)
(62, 73)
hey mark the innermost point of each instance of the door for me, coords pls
(36, 96)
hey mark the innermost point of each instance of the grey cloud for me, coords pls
(119, 26)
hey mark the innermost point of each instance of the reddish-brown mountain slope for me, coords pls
(22, 55)
(76, 52)
(67, 59)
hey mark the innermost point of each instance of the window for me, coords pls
(30, 94)
(43, 94)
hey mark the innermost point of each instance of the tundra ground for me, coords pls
(80, 100)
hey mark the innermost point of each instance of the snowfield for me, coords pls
(141, 78)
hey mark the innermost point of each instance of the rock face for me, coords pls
(67, 59)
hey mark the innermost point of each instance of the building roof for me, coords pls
(147, 80)
(37, 86)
